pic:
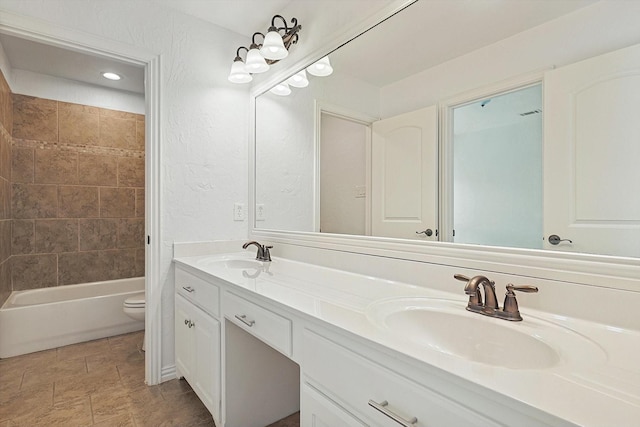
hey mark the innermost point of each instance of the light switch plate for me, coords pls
(260, 213)
(238, 212)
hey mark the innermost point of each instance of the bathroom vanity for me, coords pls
(258, 340)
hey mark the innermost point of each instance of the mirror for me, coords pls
(371, 148)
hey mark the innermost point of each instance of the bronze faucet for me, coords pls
(490, 305)
(263, 251)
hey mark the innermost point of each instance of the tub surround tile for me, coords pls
(100, 170)
(6, 104)
(117, 133)
(56, 235)
(130, 172)
(117, 202)
(56, 167)
(7, 198)
(131, 233)
(98, 234)
(140, 139)
(5, 240)
(5, 155)
(33, 271)
(5, 282)
(34, 201)
(4, 214)
(78, 202)
(35, 118)
(22, 165)
(83, 267)
(140, 202)
(79, 124)
(140, 262)
(23, 236)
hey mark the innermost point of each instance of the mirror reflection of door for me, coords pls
(343, 175)
(404, 176)
(497, 170)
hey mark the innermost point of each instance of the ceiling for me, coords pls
(433, 31)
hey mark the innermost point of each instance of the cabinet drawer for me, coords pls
(354, 381)
(198, 291)
(266, 325)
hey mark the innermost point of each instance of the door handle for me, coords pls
(428, 232)
(554, 239)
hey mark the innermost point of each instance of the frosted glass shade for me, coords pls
(321, 68)
(281, 89)
(239, 73)
(273, 46)
(299, 79)
(255, 62)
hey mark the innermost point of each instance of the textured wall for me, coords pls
(77, 193)
(6, 120)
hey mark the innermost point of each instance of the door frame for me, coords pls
(55, 35)
(320, 108)
(445, 137)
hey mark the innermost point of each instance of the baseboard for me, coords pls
(168, 373)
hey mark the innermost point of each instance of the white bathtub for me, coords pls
(40, 319)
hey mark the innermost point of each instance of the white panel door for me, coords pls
(404, 175)
(592, 155)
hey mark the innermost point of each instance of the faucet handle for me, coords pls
(522, 288)
(510, 311)
(461, 277)
(266, 255)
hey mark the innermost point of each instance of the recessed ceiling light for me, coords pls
(111, 76)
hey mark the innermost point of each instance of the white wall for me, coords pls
(49, 87)
(285, 150)
(562, 41)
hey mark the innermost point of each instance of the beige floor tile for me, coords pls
(174, 387)
(88, 348)
(36, 399)
(110, 403)
(53, 371)
(125, 420)
(76, 413)
(76, 386)
(9, 384)
(28, 361)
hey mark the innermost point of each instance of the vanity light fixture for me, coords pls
(239, 73)
(281, 89)
(275, 46)
(321, 68)
(299, 79)
(111, 76)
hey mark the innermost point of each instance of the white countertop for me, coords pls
(598, 385)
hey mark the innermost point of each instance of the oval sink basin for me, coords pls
(446, 326)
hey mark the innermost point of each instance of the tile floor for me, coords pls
(97, 383)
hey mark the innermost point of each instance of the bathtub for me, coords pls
(41, 319)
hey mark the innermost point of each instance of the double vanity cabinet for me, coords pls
(259, 341)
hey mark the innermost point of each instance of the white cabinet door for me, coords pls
(183, 339)
(207, 381)
(404, 172)
(591, 154)
(318, 411)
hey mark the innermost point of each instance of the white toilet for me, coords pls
(134, 307)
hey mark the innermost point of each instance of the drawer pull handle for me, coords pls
(382, 407)
(188, 289)
(243, 319)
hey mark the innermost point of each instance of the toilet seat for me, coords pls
(135, 301)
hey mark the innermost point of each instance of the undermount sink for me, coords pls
(232, 263)
(445, 326)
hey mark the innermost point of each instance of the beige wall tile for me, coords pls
(6, 104)
(140, 202)
(96, 169)
(5, 156)
(117, 202)
(56, 167)
(56, 235)
(118, 114)
(117, 133)
(4, 214)
(131, 233)
(7, 198)
(94, 266)
(79, 124)
(22, 165)
(5, 240)
(140, 263)
(78, 202)
(33, 271)
(35, 118)
(98, 234)
(5, 286)
(130, 172)
(140, 130)
(23, 236)
(34, 201)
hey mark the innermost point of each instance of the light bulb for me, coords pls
(239, 73)
(299, 79)
(273, 46)
(255, 61)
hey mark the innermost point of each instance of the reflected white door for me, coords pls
(592, 155)
(404, 171)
